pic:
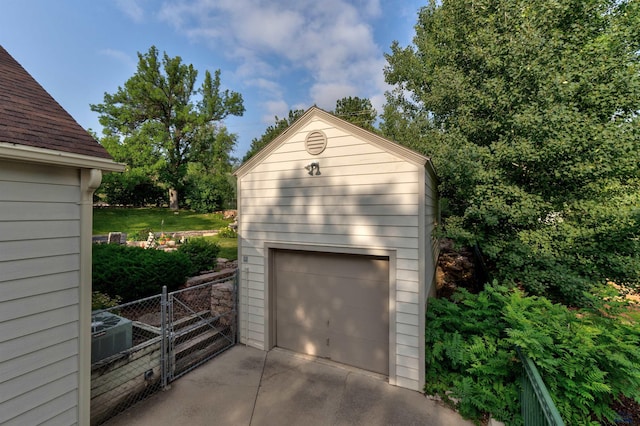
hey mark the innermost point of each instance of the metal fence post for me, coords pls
(537, 406)
(164, 371)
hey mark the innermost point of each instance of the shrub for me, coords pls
(227, 232)
(133, 272)
(103, 301)
(205, 193)
(586, 358)
(132, 188)
(140, 235)
(202, 253)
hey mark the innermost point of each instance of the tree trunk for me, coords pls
(173, 199)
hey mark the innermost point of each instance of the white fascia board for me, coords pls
(32, 154)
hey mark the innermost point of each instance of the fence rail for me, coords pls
(538, 408)
(139, 347)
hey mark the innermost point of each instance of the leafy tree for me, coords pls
(155, 117)
(529, 110)
(358, 111)
(272, 132)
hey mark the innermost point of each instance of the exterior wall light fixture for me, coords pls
(313, 166)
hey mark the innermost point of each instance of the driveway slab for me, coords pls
(247, 386)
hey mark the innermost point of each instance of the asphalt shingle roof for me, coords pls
(30, 116)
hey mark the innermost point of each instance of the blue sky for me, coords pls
(279, 54)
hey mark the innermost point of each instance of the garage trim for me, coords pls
(270, 313)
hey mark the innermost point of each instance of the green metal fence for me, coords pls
(538, 408)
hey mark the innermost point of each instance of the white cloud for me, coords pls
(132, 9)
(277, 108)
(274, 41)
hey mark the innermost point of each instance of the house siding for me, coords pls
(365, 198)
(39, 302)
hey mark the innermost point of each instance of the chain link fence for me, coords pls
(141, 346)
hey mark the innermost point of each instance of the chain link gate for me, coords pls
(201, 323)
(140, 347)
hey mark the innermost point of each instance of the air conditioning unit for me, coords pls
(110, 334)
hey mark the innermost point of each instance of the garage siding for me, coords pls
(365, 197)
(39, 280)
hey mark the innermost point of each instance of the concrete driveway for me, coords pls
(246, 386)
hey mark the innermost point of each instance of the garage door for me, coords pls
(333, 306)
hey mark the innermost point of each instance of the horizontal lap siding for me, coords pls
(431, 242)
(365, 197)
(39, 279)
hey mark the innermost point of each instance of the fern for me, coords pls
(586, 359)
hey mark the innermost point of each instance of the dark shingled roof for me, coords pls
(30, 116)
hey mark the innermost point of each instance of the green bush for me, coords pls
(228, 232)
(204, 193)
(134, 273)
(202, 253)
(586, 358)
(103, 301)
(132, 188)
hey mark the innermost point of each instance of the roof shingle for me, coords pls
(30, 116)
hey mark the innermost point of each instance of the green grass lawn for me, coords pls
(228, 247)
(131, 220)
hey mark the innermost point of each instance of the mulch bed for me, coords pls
(629, 411)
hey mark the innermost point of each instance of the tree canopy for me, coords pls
(159, 119)
(529, 109)
(358, 111)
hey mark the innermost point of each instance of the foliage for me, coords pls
(134, 188)
(201, 252)
(586, 358)
(358, 111)
(468, 357)
(206, 192)
(529, 110)
(155, 119)
(134, 273)
(130, 220)
(139, 235)
(103, 301)
(227, 232)
(228, 246)
(272, 132)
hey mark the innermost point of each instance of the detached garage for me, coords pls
(336, 252)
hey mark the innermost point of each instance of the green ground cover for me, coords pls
(131, 220)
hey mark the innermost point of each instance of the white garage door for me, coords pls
(333, 306)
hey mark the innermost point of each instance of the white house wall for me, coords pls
(365, 197)
(39, 280)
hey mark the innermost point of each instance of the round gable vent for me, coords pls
(316, 142)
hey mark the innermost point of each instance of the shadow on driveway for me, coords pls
(247, 386)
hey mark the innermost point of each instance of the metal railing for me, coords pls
(538, 408)
(139, 347)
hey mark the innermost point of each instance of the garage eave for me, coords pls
(31, 154)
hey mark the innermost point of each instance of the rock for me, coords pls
(114, 238)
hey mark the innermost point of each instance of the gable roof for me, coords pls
(315, 112)
(30, 116)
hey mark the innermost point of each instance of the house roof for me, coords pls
(315, 112)
(29, 116)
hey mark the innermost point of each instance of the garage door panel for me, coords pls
(333, 305)
(303, 340)
(359, 352)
